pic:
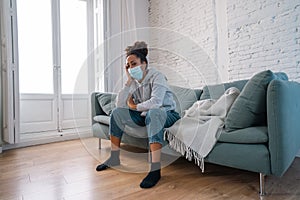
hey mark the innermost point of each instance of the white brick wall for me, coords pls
(183, 41)
(261, 35)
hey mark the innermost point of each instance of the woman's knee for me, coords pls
(120, 113)
(155, 111)
(156, 114)
(117, 110)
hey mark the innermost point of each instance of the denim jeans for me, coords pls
(155, 121)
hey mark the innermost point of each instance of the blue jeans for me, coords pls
(155, 121)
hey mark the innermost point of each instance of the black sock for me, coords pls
(153, 176)
(113, 160)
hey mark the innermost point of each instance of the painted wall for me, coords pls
(259, 35)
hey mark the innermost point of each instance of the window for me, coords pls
(73, 21)
(55, 37)
(35, 46)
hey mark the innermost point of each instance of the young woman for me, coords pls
(145, 100)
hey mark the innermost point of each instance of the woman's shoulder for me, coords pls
(155, 71)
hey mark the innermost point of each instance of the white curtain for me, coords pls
(9, 73)
(122, 30)
(1, 110)
(3, 59)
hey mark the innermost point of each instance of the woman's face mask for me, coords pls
(136, 72)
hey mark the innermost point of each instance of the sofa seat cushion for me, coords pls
(251, 135)
(103, 119)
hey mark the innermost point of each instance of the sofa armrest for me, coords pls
(95, 106)
(283, 113)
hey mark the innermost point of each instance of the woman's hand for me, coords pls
(131, 103)
(129, 78)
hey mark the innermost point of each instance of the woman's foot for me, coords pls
(112, 161)
(151, 179)
(153, 176)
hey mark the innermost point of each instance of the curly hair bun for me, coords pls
(139, 46)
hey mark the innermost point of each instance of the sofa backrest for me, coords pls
(184, 97)
(217, 90)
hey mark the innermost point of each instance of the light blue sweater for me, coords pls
(152, 92)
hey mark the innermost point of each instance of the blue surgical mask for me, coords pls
(136, 72)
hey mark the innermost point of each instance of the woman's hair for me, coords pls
(139, 49)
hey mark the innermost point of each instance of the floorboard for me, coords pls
(66, 170)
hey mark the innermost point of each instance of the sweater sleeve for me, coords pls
(158, 92)
(123, 96)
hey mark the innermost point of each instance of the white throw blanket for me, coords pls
(197, 132)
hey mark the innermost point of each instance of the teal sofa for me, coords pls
(268, 146)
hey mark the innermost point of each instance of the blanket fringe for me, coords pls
(184, 150)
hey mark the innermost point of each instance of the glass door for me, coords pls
(38, 104)
(74, 71)
(53, 52)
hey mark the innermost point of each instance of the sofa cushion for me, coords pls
(103, 119)
(251, 135)
(217, 90)
(251, 157)
(184, 97)
(107, 102)
(249, 109)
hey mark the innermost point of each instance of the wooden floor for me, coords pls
(66, 170)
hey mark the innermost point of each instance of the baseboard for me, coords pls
(298, 154)
(67, 135)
